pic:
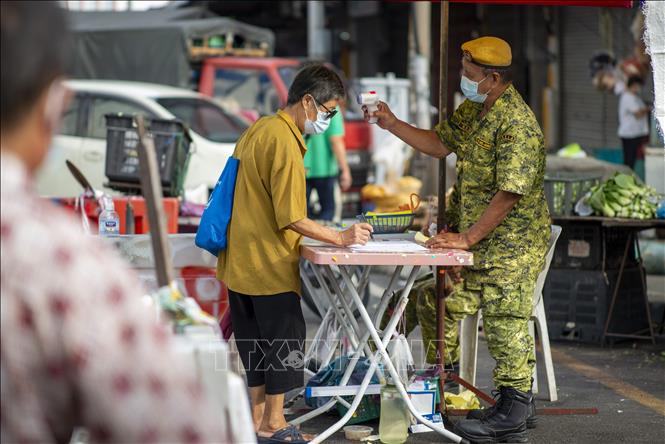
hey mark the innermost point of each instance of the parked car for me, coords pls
(82, 134)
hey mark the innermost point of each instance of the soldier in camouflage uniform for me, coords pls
(499, 213)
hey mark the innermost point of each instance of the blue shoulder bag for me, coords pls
(211, 235)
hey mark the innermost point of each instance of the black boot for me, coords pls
(531, 420)
(506, 424)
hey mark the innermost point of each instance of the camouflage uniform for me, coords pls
(502, 151)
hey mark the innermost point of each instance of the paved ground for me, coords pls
(626, 383)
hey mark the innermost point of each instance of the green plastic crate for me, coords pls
(368, 409)
(564, 189)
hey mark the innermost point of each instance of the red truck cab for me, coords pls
(260, 85)
(256, 85)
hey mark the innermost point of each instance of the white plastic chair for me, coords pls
(469, 331)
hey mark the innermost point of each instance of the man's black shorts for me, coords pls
(270, 336)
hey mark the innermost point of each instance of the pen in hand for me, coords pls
(371, 235)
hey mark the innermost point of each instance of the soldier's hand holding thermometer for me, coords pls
(376, 111)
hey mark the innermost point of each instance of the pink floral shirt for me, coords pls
(79, 347)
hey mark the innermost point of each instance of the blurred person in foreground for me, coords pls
(79, 346)
(325, 164)
(633, 121)
(260, 265)
(502, 217)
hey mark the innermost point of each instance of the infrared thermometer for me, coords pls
(371, 101)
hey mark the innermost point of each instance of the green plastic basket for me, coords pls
(368, 409)
(389, 224)
(563, 190)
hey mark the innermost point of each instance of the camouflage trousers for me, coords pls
(506, 313)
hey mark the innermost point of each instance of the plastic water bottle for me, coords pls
(109, 221)
(395, 417)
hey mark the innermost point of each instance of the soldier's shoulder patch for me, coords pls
(460, 123)
(464, 126)
(483, 143)
(507, 138)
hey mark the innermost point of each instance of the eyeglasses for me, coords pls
(330, 114)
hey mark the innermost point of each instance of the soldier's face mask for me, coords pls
(470, 89)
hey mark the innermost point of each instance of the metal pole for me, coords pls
(419, 68)
(316, 41)
(441, 217)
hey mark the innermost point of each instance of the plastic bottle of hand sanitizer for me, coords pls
(109, 221)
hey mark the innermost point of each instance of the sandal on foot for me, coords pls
(288, 435)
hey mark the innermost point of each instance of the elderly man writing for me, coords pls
(260, 264)
(501, 216)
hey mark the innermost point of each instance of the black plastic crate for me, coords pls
(590, 246)
(577, 304)
(579, 246)
(172, 143)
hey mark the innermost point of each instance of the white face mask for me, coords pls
(470, 90)
(320, 125)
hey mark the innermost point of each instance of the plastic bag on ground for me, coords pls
(467, 400)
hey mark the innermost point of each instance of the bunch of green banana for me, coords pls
(621, 196)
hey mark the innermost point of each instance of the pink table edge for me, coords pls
(323, 255)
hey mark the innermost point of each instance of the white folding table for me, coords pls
(345, 297)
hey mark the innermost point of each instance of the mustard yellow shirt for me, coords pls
(262, 255)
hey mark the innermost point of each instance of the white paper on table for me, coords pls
(389, 246)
